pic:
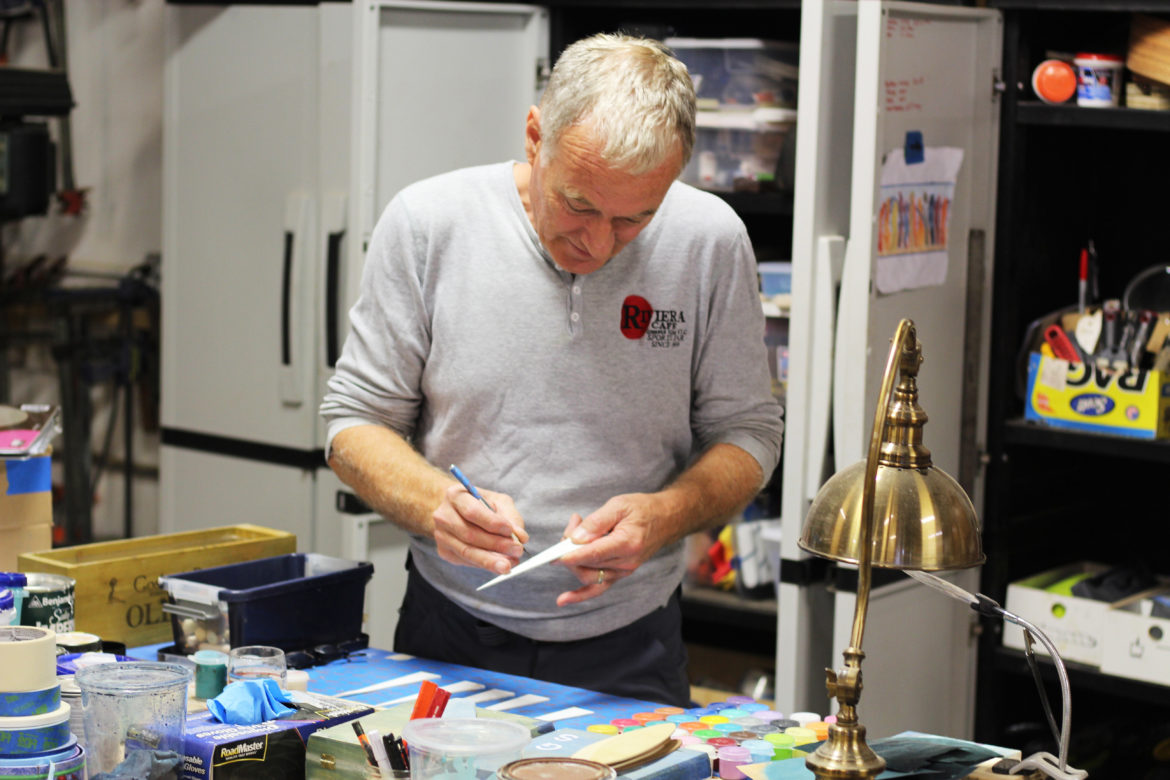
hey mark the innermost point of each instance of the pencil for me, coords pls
(466, 483)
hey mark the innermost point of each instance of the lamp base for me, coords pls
(845, 755)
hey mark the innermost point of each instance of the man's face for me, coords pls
(584, 211)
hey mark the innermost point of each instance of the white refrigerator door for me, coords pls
(240, 171)
(824, 137)
(932, 70)
(213, 490)
(440, 85)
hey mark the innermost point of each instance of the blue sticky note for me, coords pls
(915, 148)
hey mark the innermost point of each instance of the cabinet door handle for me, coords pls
(294, 317)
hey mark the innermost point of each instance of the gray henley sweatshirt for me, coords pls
(561, 391)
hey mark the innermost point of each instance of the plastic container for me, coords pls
(137, 705)
(740, 71)
(7, 607)
(294, 602)
(1098, 79)
(15, 582)
(462, 748)
(743, 150)
(210, 673)
(731, 759)
(1054, 81)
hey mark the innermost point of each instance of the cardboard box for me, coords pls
(1075, 625)
(1085, 398)
(14, 541)
(1137, 637)
(26, 508)
(273, 750)
(117, 595)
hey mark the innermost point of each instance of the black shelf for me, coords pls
(1036, 113)
(1047, 489)
(1023, 432)
(1081, 5)
(674, 5)
(1082, 677)
(759, 203)
(725, 619)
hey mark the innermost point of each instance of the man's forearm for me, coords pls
(389, 475)
(709, 493)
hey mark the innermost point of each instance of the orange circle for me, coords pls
(1054, 81)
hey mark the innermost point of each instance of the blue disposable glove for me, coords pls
(247, 702)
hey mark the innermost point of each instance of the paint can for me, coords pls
(78, 642)
(1098, 79)
(555, 769)
(48, 602)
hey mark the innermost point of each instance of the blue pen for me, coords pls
(463, 480)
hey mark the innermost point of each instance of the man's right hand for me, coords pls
(469, 534)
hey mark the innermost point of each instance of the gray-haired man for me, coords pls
(581, 334)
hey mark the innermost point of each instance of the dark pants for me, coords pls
(645, 660)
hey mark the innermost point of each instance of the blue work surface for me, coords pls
(373, 666)
(368, 667)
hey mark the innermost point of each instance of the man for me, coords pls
(582, 335)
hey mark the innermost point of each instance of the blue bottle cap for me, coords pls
(9, 579)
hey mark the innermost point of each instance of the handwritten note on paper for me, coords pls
(913, 219)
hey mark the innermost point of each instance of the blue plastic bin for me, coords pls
(294, 602)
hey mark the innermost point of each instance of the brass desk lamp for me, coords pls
(893, 510)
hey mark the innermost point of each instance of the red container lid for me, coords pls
(1054, 81)
(1100, 57)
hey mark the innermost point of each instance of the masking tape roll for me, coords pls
(35, 733)
(30, 702)
(28, 659)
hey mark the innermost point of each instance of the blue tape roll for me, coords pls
(29, 734)
(68, 764)
(30, 702)
(69, 750)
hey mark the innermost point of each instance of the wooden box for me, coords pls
(117, 595)
(1149, 47)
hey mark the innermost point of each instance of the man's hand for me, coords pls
(468, 533)
(616, 539)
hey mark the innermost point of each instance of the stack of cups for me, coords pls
(34, 722)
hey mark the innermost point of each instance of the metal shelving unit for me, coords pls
(1057, 496)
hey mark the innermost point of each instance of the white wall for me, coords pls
(115, 60)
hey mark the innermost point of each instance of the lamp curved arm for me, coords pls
(905, 340)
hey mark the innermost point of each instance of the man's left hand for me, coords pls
(615, 540)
